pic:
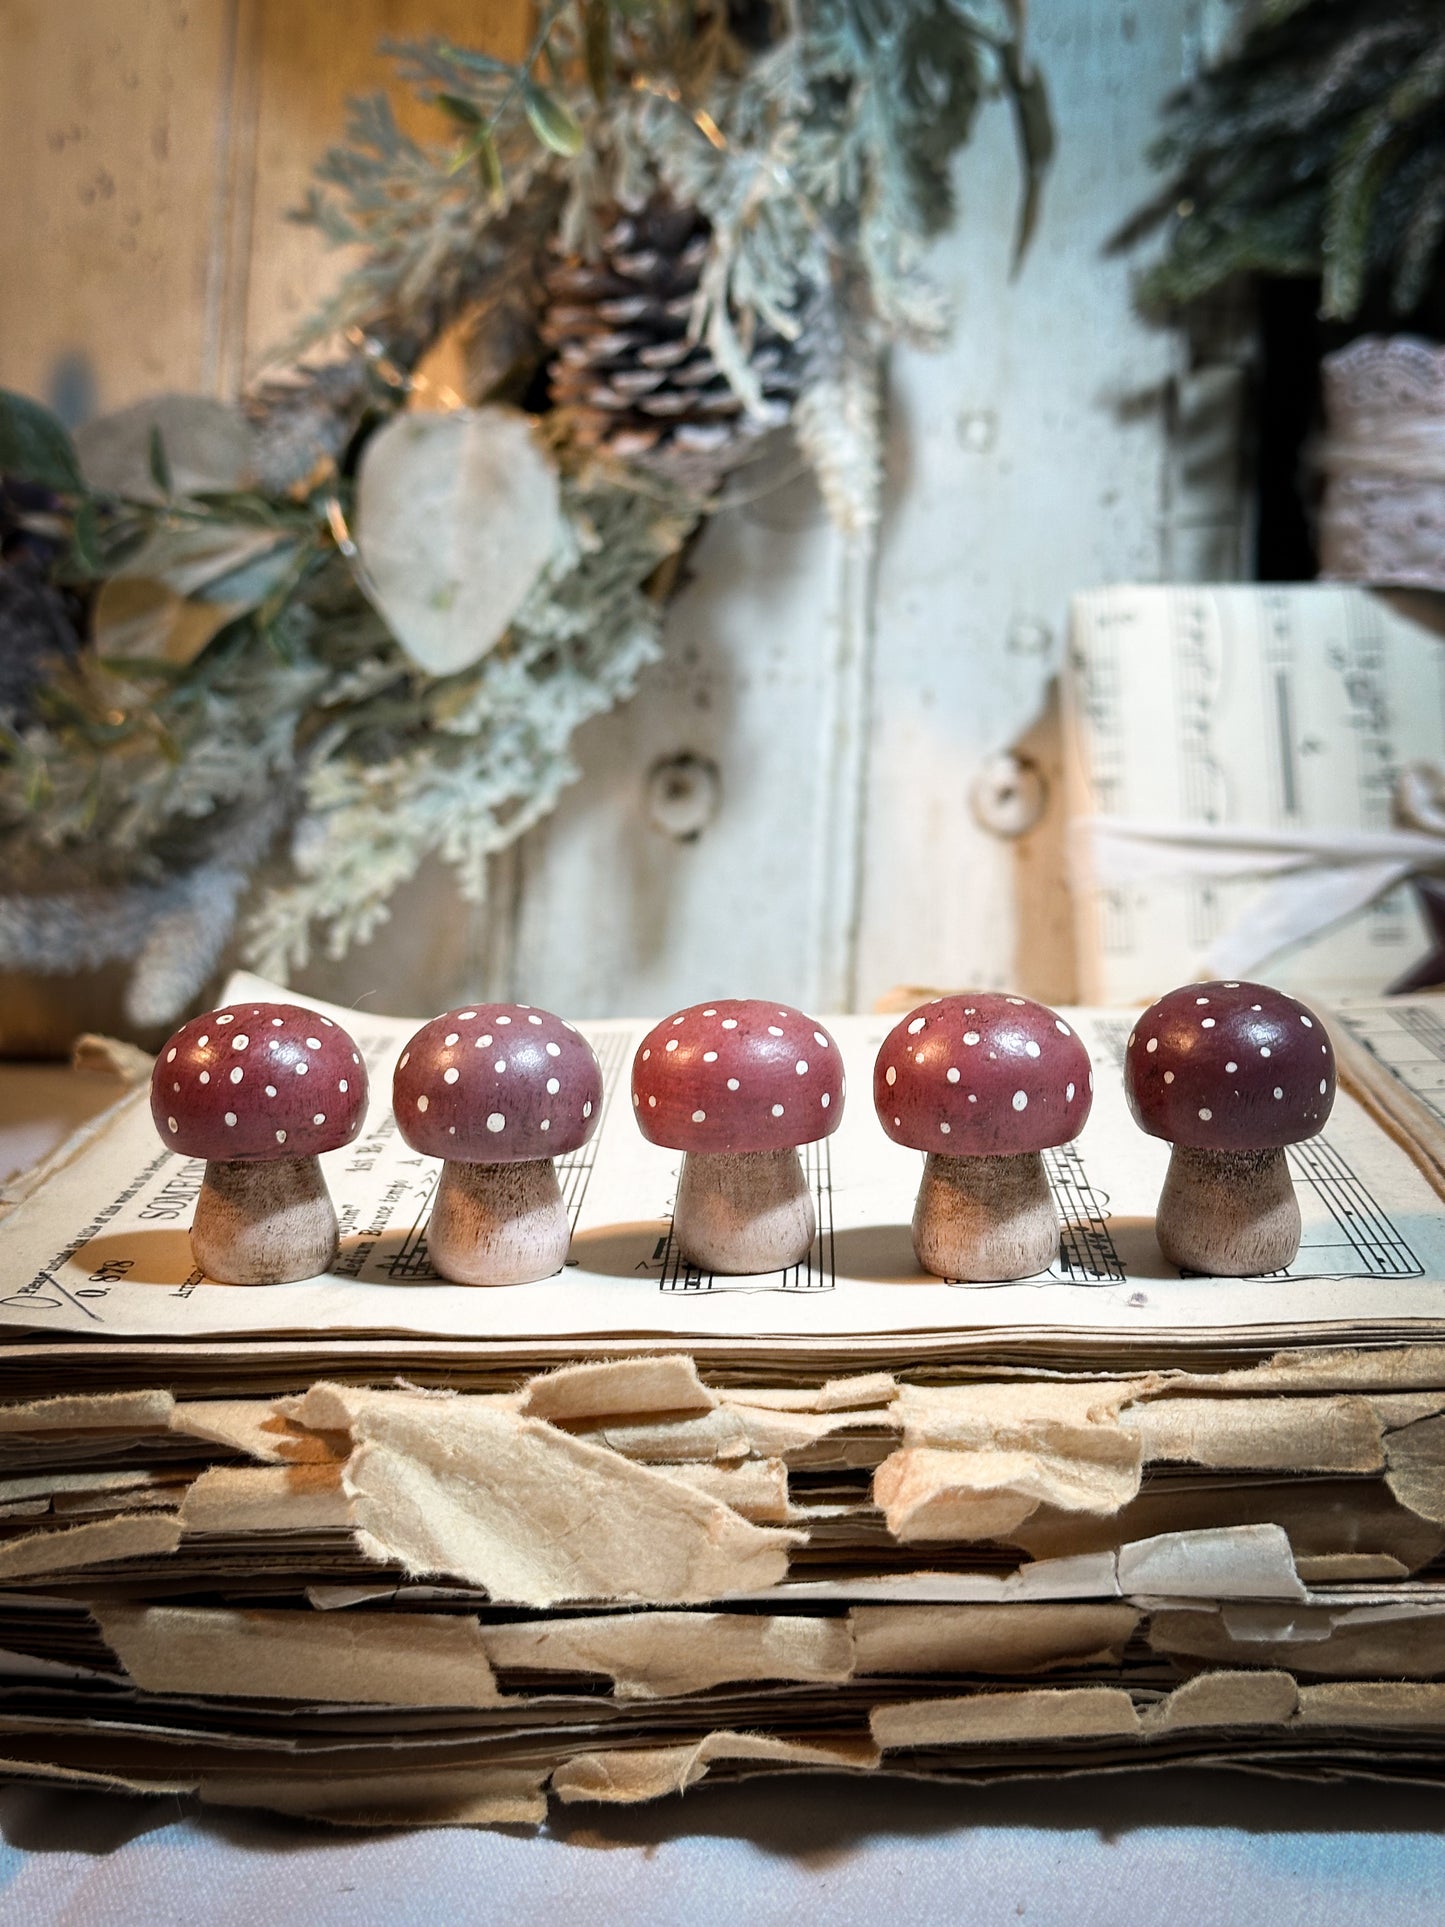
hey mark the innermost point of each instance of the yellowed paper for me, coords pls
(263, 1498)
(625, 1776)
(361, 1659)
(1225, 1699)
(1339, 1434)
(1371, 1703)
(978, 1719)
(255, 1427)
(1019, 1638)
(495, 1796)
(468, 1488)
(98, 1543)
(663, 1654)
(617, 1387)
(96, 1412)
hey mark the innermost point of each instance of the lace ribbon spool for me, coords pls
(1383, 458)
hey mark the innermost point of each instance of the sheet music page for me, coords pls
(102, 1248)
(1282, 707)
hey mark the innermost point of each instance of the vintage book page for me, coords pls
(102, 1249)
(1279, 709)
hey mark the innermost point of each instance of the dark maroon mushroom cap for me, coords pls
(497, 1084)
(256, 1081)
(737, 1075)
(982, 1075)
(1229, 1067)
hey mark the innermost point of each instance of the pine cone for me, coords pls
(625, 368)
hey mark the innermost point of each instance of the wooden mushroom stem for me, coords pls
(1231, 1214)
(265, 1221)
(498, 1224)
(985, 1218)
(742, 1212)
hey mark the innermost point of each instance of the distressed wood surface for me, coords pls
(1057, 442)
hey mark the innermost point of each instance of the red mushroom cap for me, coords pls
(497, 1084)
(1229, 1067)
(255, 1081)
(738, 1075)
(982, 1075)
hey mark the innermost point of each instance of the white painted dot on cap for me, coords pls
(355, 1058)
(1032, 1048)
(732, 1083)
(341, 1084)
(225, 1018)
(774, 1031)
(672, 1043)
(801, 1067)
(171, 1055)
(205, 1077)
(919, 1058)
(203, 1040)
(1152, 1045)
(553, 1086)
(270, 1090)
(645, 1055)
(970, 1037)
(972, 1098)
(1231, 1067)
(314, 1043)
(500, 1065)
(1207, 1024)
(916, 1026)
(496, 1122)
(953, 1073)
(451, 1130)
(1308, 1024)
(1256, 1006)
(450, 1074)
(1068, 1093)
(546, 1124)
(1324, 1086)
(1062, 1028)
(280, 1137)
(1201, 1000)
(276, 1023)
(237, 1074)
(555, 1050)
(465, 1016)
(944, 1129)
(451, 1038)
(729, 1023)
(1278, 1091)
(890, 1076)
(1021, 1100)
(501, 1020)
(678, 1020)
(1168, 1077)
(302, 1067)
(319, 1117)
(699, 1117)
(1132, 1035)
(652, 1103)
(969, 1011)
(483, 1043)
(820, 1040)
(898, 1121)
(1013, 1000)
(423, 1101)
(777, 1110)
(240, 1041)
(534, 1020)
(1205, 1116)
(709, 1057)
(1264, 1050)
(405, 1060)
(175, 1127)
(636, 1100)
(711, 1011)
(231, 1117)
(587, 1108)
(1231, 986)
(826, 1100)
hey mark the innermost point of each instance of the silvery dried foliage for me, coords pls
(230, 680)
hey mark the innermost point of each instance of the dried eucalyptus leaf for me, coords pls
(207, 445)
(457, 516)
(139, 618)
(197, 558)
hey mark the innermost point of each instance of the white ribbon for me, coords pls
(1314, 878)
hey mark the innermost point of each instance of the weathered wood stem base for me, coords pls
(264, 1222)
(983, 1219)
(498, 1224)
(1231, 1214)
(744, 1212)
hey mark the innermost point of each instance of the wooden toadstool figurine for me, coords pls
(738, 1085)
(1229, 1073)
(983, 1083)
(260, 1091)
(498, 1091)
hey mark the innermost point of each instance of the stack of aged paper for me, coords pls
(381, 1548)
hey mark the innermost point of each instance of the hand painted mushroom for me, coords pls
(738, 1085)
(260, 1091)
(982, 1083)
(1229, 1073)
(498, 1091)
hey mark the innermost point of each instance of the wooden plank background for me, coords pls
(1057, 443)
